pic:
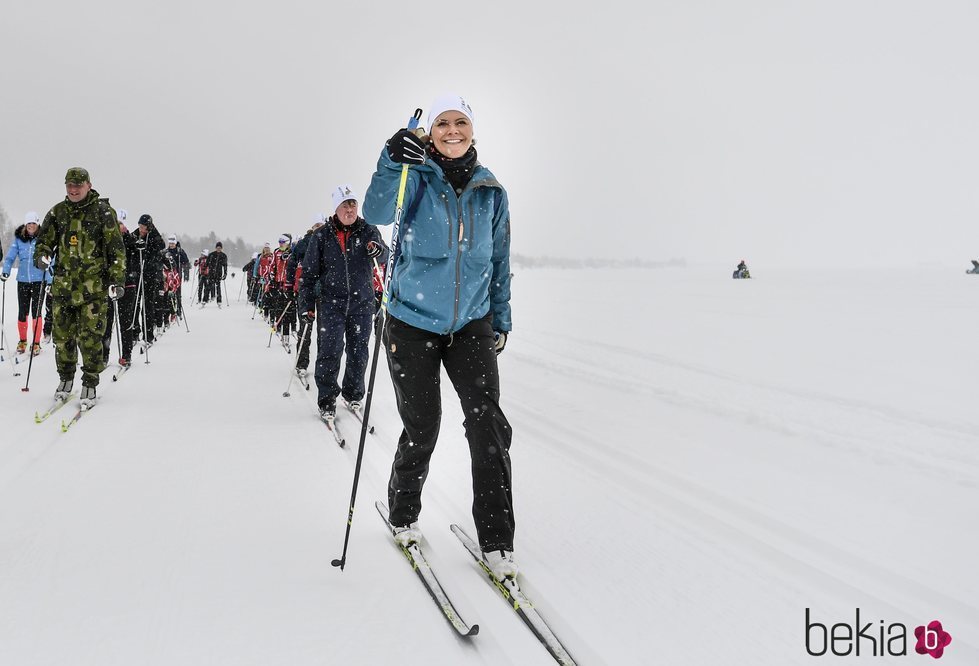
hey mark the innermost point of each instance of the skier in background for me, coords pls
(128, 329)
(217, 271)
(149, 243)
(295, 271)
(248, 271)
(201, 264)
(741, 272)
(31, 283)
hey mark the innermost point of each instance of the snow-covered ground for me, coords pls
(697, 460)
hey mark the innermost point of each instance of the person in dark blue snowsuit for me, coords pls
(337, 290)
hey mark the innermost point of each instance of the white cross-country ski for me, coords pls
(358, 414)
(509, 588)
(65, 425)
(56, 404)
(416, 557)
(331, 425)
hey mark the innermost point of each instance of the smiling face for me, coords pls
(77, 191)
(452, 133)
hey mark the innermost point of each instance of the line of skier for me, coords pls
(97, 277)
(445, 304)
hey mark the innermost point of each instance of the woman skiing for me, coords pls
(448, 306)
(31, 281)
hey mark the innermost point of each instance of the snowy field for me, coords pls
(697, 460)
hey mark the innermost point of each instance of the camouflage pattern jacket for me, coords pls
(85, 239)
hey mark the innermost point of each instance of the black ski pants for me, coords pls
(341, 333)
(415, 359)
(305, 333)
(126, 305)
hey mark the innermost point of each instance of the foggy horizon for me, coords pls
(824, 133)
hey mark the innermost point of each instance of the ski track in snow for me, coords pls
(671, 503)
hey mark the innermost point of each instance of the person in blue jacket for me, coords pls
(31, 281)
(448, 306)
(336, 290)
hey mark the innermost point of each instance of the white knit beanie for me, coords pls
(449, 102)
(342, 193)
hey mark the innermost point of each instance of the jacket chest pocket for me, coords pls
(429, 235)
(479, 229)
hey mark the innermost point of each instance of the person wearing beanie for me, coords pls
(126, 303)
(337, 292)
(261, 272)
(201, 264)
(282, 300)
(217, 273)
(149, 290)
(31, 283)
(178, 261)
(82, 234)
(448, 304)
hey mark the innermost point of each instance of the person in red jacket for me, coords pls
(284, 304)
(263, 271)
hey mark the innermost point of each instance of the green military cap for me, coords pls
(77, 175)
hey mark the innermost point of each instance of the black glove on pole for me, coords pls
(406, 148)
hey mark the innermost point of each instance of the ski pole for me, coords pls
(181, 311)
(256, 299)
(275, 326)
(139, 291)
(146, 337)
(3, 318)
(295, 366)
(115, 309)
(241, 286)
(341, 562)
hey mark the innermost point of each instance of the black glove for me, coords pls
(42, 261)
(374, 249)
(232, 275)
(4, 276)
(499, 337)
(406, 148)
(140, 244)
(290, 294)
(116, 291)
(309, 317)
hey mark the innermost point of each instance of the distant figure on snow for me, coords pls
(741, 272)
(975, 267)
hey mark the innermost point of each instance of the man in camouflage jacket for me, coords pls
(82, 234)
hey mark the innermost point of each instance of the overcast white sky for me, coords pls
(780, 132)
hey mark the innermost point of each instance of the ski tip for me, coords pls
(473, 630)
(285, 394)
